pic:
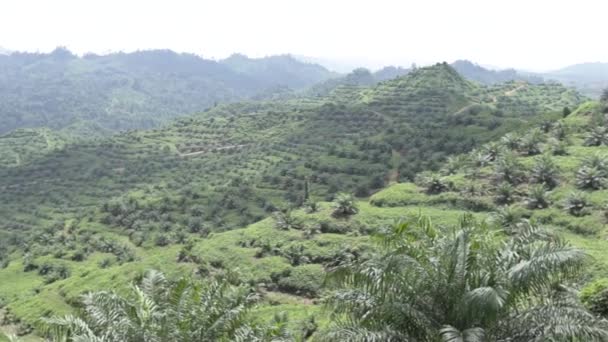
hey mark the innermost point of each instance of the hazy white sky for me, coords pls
(532, 34)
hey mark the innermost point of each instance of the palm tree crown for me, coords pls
(464, 283)
(158, 310)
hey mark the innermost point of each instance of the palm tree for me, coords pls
(344, 205)
(158, 310)
(537, 197)
(434, 184)
(576, 204)
(508, 169)
(590, 178)
(505, 194)
(530, 144)
(463, 283)
(511, 141)
(596, 137)
(545, 172)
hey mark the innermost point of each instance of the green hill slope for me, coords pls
(96, 214)
(132, 90)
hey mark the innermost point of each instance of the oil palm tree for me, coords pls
(545, 171)
(465, 283)
(158, 310)
(344, 205)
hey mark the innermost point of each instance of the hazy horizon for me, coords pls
(535, 36)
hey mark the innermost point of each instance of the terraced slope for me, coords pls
(241, 161)
(96, 214)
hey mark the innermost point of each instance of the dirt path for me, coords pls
(515, 90)
(227, 147)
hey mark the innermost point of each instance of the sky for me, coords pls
(536, 35)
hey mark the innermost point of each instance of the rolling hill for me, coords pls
(243, 189)
(142, 89)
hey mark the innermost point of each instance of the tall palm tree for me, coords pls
(466, 283)
(159, 310)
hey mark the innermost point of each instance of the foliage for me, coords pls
(505, 193)
(120, 91)
(344, 205)
(435, 284)
(576, 204)
(597, 136)
(590, 178)
(545, 172)
(508, 169)
(537, 197)
(286, 220)
(158, 310)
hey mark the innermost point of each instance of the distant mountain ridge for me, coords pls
(142, 89)
(487, 76)
(590, 78)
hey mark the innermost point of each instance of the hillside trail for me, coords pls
(225, 147)
(510, 92)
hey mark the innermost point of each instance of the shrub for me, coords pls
(303, 280)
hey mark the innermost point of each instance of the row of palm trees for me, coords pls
(466, 283)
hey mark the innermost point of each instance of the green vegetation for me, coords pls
(158, 310)
(143, 89)
(249, 192)
(468, 282)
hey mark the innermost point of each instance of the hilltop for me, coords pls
(143, 89)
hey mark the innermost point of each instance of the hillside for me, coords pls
(177, 198)
(124, 91)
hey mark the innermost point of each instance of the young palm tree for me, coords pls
(537, 197)
(590, 178)
(530, 143)
(158, 310)
(596, 137)
(545, 172)
(508, 169)
(505, 194)
(511, 141)
(434, 184)
(576, 204)
(465, 283)
(344, 205)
